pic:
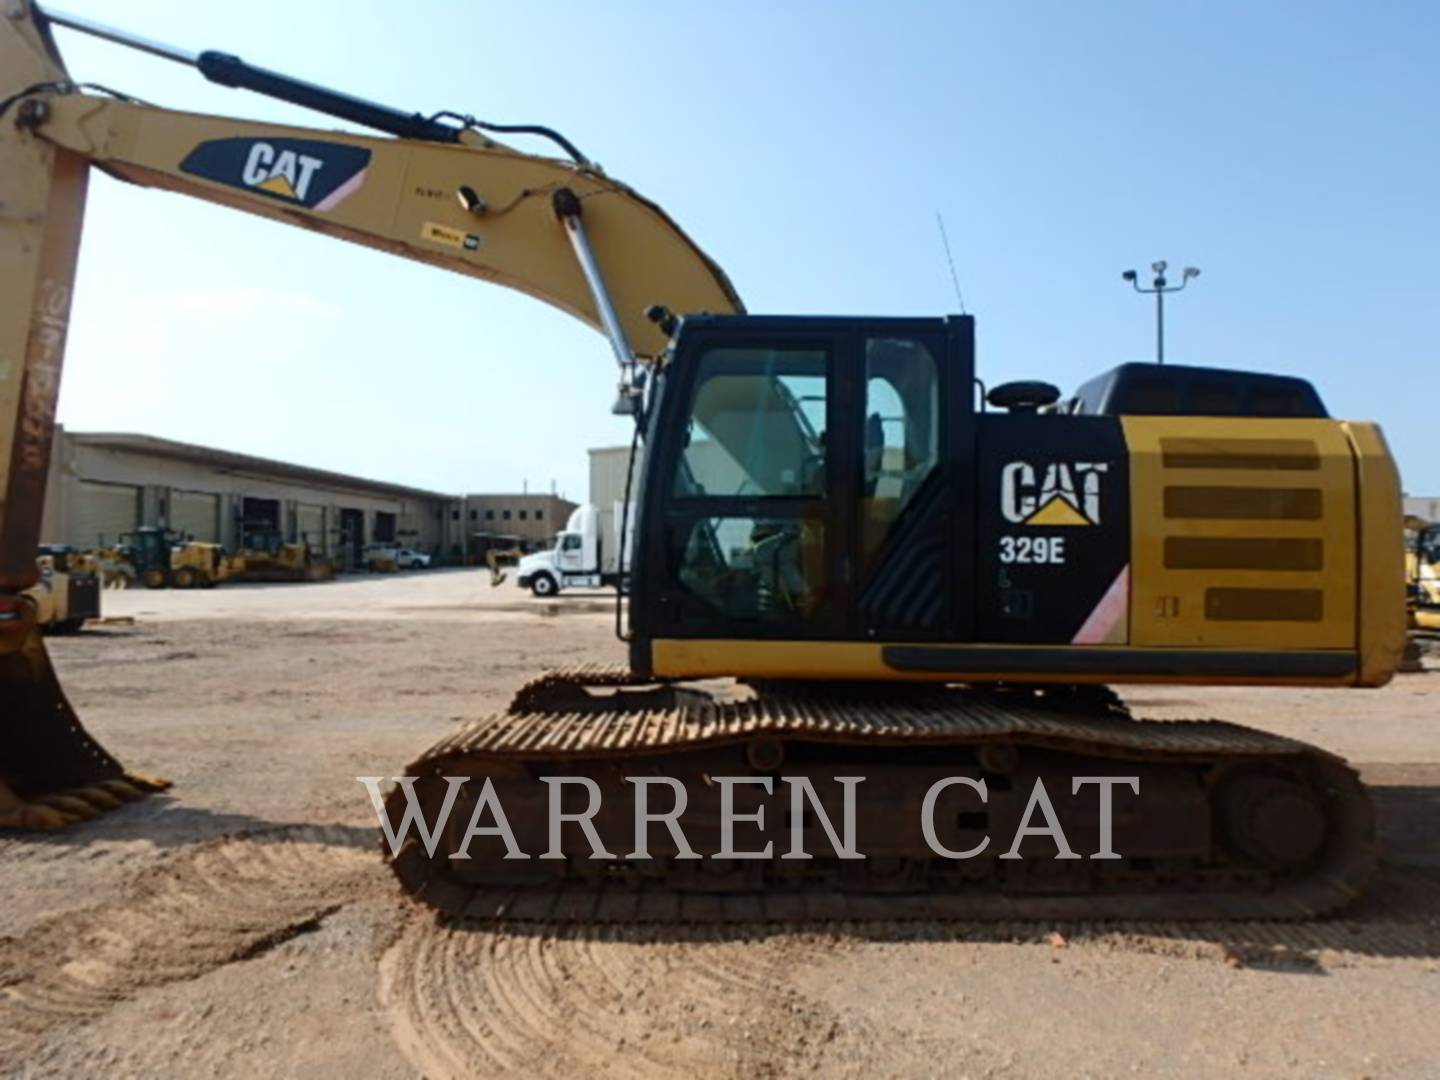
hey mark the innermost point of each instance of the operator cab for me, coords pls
(800, 479)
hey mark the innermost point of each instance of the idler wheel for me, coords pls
(765, 755)
(1272, 820)
(999, 758)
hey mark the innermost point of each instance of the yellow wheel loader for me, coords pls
(852, 582)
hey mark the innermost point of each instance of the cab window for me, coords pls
(756, 431)
(757, 425)
(901, 435)
(751, 568)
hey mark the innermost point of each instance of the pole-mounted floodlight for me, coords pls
(1160, 287)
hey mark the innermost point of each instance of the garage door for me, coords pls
(104, 512)
(310, 525)
(196, 514)
(384, 527)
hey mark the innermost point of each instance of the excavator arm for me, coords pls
(437, 190)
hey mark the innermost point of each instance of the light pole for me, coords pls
(1160, 288)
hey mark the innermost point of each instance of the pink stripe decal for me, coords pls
(1109, 615)
(343, 192)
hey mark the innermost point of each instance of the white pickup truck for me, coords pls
(410, 559)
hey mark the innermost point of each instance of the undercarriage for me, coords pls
(1222, 822)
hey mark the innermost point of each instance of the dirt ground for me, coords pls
(244, 924)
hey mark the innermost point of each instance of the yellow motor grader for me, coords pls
(901, 588)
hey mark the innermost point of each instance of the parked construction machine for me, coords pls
(499, 560)
(1422, 572)
(160, 558)
(68, 590)
(845, 565)
(114, 566)
(268, 556)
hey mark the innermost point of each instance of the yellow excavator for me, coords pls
(850, 576)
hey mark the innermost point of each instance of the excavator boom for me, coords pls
(440, 193)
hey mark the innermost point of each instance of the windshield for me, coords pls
(757, 424)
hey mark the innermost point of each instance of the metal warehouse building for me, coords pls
(530, 522)
(607, 487)
(103, 484)
(1426, 507)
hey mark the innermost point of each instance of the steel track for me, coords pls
(601, 720)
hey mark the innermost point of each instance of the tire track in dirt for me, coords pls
(220, 902)
(23, 850)
(1398, 918)
(469, 1000)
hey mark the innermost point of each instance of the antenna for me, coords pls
(954, 278)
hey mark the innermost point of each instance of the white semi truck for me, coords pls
(583, 557)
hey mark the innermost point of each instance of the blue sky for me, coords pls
(1290, 150)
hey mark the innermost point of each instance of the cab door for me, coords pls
(811, 479)
(748, 463)
(569, 556)
(911, 538)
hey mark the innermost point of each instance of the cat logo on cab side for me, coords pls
(1064, 493)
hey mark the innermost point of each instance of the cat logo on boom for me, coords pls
(280, 172)
(1061, 493)
(302, 172)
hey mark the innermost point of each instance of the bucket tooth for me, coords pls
(147, 783)
(72, 805)
(123, 790)
(45, 818)
(98, 797)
